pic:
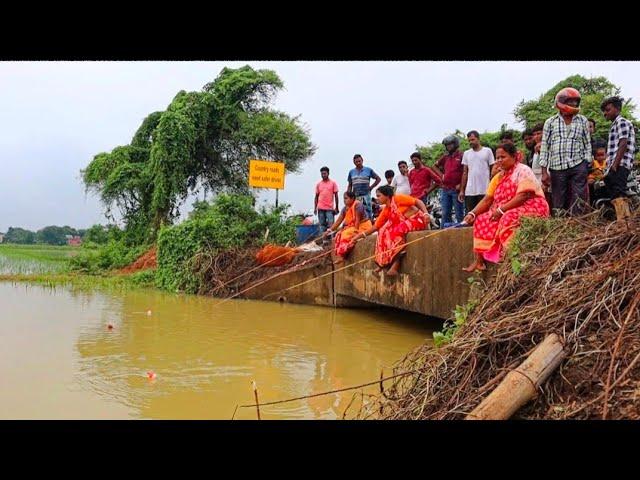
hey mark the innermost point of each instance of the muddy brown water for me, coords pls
(59, 359)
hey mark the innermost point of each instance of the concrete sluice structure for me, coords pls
(430, 282)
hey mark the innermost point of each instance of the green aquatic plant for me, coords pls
(450, 327)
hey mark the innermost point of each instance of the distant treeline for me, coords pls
(55, 235)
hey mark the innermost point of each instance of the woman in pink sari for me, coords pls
(401, 214)
(514, 192)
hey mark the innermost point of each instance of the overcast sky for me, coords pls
(56, 115)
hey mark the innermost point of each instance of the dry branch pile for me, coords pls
(225, 273)
(581, 282)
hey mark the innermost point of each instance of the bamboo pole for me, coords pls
(255, 394)
(521, 384)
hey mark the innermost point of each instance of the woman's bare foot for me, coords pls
(338, 260)
(378, 270)
(393, 271)
(475, 266)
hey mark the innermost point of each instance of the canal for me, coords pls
(60, 360)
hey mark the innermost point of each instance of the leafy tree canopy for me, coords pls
(204, 140)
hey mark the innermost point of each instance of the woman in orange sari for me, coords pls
(514, 192)
(355, 220)
(401, 214)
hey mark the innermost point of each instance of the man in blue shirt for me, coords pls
(359, 179)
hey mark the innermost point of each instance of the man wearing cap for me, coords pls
(450, 169)
(565, 153)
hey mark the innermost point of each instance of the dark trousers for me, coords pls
(616, 183)
(569, 188)
(471, 201)
(325, 219)
(448, 200)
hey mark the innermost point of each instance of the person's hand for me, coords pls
(496, 215)
(469, 219)
(461, 197)
(546, 179)
(336, 211)
(354, 239)
(536, 149)
(458, 188)
(614, 167)
(315, 211)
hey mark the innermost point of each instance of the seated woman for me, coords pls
(355, 220)
(513, 192)
(401, 214)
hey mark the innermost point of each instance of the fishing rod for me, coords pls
(399, 247)
(262, 282)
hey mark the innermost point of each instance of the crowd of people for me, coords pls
(564, 170)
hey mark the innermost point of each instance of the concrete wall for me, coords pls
(318, 292)
(431, 280)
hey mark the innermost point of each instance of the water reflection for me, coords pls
(205, 355)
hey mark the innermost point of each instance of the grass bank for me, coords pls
(50, 265)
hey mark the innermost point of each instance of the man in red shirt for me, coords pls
(451, 165)
(422, 180)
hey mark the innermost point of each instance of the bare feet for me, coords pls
(393, 271)
(338, 260)
(475, 266)
(377, 270)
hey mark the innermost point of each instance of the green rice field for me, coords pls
(34, 259)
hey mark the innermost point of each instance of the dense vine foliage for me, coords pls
(203, 140)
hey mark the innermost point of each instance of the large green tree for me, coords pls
(20, 235)
(203, 139)
(101, 234)
(54, 235)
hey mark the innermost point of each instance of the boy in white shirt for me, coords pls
(400, 182)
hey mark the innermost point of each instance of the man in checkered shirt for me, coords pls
(620, 151)
(565, 153)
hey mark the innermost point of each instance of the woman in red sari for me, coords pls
(514, 192)
(401, 214)
(355, 220)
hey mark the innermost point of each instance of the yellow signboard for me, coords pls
(264, 174)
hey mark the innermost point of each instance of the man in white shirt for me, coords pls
(400, 182)
(477, 163)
